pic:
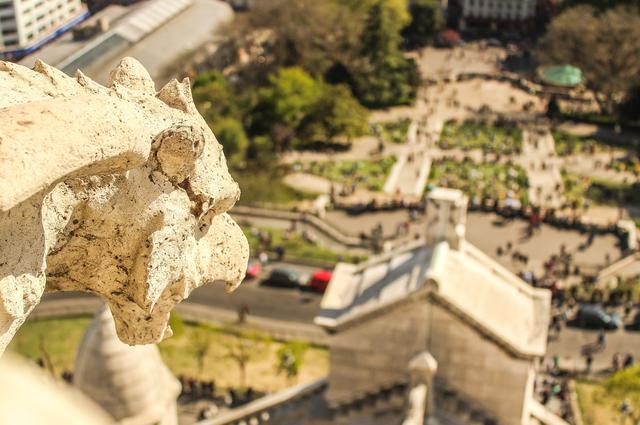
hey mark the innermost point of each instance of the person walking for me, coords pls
(629, 360)
(601, 340)
(589, 362)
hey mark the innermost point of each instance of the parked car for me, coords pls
(635, 324)
(320, 280)
(594, 317)
(254, 268)
(285, 278)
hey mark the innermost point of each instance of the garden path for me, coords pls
(410, 173)
(593, 166)
(539, 160)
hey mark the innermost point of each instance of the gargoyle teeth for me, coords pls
(131, 74)
(89, 84)
(55, 76)
(177, 95)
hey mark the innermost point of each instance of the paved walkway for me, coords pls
(410, 173)
(539, 160)
(438, 103)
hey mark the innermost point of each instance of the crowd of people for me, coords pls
(193, 389)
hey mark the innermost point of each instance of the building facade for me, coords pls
(496, 13)
(26, 25)
(485, 327)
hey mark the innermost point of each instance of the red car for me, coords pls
(320, 280)
(253, 269)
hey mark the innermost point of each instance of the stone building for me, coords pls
(484, 327)
(25, 25)
(493, 14)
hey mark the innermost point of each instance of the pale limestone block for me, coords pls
(119, 191)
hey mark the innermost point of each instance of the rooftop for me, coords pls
(465, 280)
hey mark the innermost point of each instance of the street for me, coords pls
(570, 341)
(295, 306)
(290, 305)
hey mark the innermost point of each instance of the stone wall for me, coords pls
(478, 369)
(375, 352)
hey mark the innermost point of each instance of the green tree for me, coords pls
(312, 34)
(553, 108)
(243, 348)
(384, 77)
(337, 113)
(200, 345)
(605, 46)
(290, 358)
(233, 139)
(629, 108)
(291, 95)
(214, 97)
(426, 21)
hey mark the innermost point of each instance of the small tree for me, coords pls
(283, 105)
(384, 77)
(201, 343)
(553, 108)
(243, 348)
(426, 21)
(214, 97)
(337, 113)
(290, 358)
(233, 139)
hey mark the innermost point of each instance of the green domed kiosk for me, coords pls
(560, 75)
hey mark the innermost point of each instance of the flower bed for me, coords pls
(486, 180)
(571, 144)
(394, 131)
(367, 173)
(505, 138)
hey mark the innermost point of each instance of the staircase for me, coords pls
(453, 408)
(384, 405)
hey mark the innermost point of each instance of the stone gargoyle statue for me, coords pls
(121, 191)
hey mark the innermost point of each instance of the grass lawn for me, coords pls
(394, 132)
(630, 164)
(505, 139)
(265, 185)
(61, 338)
(483, 180)
(599, 401)
(297, 247)
(575, 188)
(371, 174)
(571, 144)
(598, 191)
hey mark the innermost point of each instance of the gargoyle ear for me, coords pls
(177, 150)
(131, 74)
(177, 95)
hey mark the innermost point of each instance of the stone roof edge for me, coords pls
(432, 279)
(435, 269)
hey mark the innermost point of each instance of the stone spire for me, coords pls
(130, 382)
(446, 216)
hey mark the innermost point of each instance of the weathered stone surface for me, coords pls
(32, 396)
(118, 191)
(132, 384)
